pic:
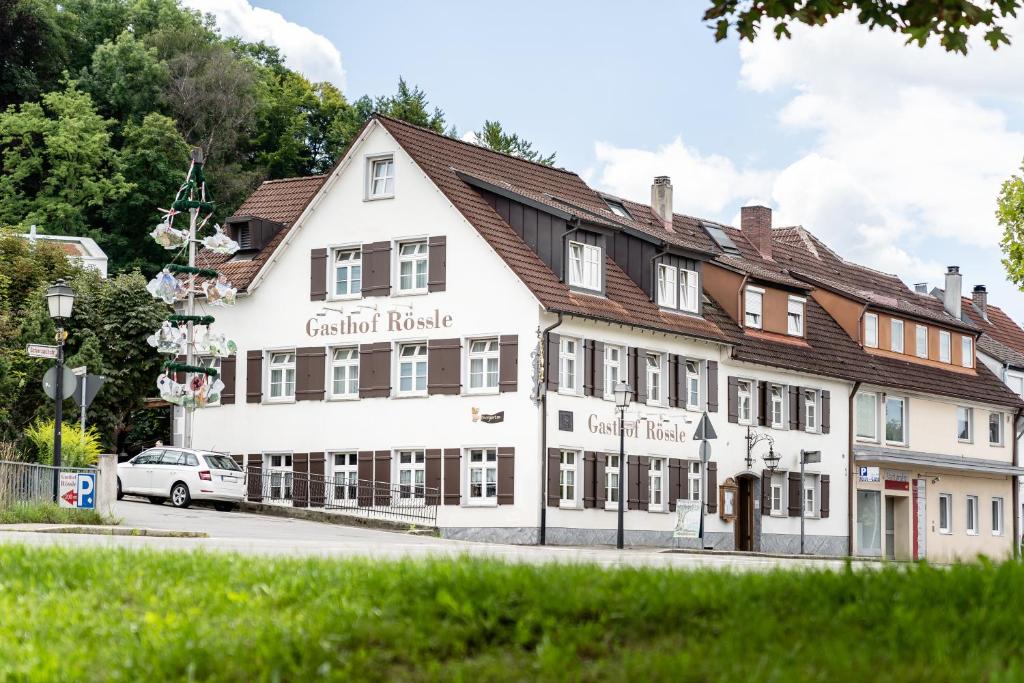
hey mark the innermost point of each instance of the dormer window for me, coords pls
(667, 286)
(921, 341)
(689, 290)
(945, 346)
(244, 237)
(795, 316)
(616, 207)
(753, 303)
(380, 181)
(967, 353)
(585, 266)
(871, 330)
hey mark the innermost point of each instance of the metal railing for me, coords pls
(345, 495)
(22, 482)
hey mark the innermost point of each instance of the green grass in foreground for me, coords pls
(49, 513)
(123, 615)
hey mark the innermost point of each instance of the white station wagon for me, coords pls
(182, 475)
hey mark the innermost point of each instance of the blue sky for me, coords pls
(892, 154)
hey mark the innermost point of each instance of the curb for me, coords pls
(103, 531)
(744, 553)
(336, 518)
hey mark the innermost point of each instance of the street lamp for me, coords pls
(623, 395)
(61, 300)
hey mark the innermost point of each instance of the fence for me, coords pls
(345, 495)
(29, 481)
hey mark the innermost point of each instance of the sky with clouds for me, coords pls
(890, 153)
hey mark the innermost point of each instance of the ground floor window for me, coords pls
(997, 516)
(778, 493)
(656, 479)
(567, 464)
(483, 475)
(945, 513)
(694, 482)
(972, 515)
(279, 467)
(611, 480)
(869, 522)
(346, 476)
(411, 473)
(811, 501)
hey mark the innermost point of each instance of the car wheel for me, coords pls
(120, 493)
(179, 496)
(156, 500)
(223, 507)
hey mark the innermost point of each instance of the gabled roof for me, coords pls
(1001, 337)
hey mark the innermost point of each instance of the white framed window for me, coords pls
(279, 467)
(413, 258)
(745, 400)
(810, 410)
(945, 343)
(380, 182)
(667, 285)
(483, 365)
(348, 272)
(483, 475)
(777, 404)
(282, 375)
(995, 429)
(867, 416)
(972, 516)
(810, 500)
(568, 364)
(345, 472)
(693, 385)
(997, 516)
(345, 372)
(412, 369)
(795, 316)
(656, 481)
(689, 290)
(871, 330)
(921, 341)
(585, 266)
(967, 355)
(613, 356)
(694, 477)
(778, 494)
(753, 301)
(411, 473)
(567, 471)
(896, 341)
(945, 513)
(611, 481)
(896, 420)
(964, 424)
(654, 378)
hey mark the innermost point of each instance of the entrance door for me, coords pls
(745, 515)
(890, 527)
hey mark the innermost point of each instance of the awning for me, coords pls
(899, 456)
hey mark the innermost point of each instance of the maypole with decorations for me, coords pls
(179, 285)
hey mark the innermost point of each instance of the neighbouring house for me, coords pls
(81, 250)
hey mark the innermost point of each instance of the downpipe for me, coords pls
(544, 433)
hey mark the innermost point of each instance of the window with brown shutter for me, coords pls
(376, 269)
(826, 412)
(551, 361)
(766, 492)
(554, 471)
(734, 399)
(643, 482)
(382, 477)
(824, 495)
(227, 375)
(443, 373)
(599, 369)
(801, 409)
(632, 482)
(762, 403)
(794, 407)
(254, 478)
(599, 484)
(638, 373)
(375, 370)
(317, 274)
(712, 389)
(317, 483)
(365, 474)
(253, 376)
(300, 482)
(432, 476)
(676, 477)
(506, 475)
(310, 371)
(452, 481)
(508, 362)
(588, 367)
(589, 482)
(711, 492)
(795, 494)
(437, 264)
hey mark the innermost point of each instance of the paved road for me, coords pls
(262, 535)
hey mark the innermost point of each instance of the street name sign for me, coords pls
(41, 351)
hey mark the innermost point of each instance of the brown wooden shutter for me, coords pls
(317, 274)
(227, 375)
(382, 477)
(437, 263)
(826, 412)
(643, 482)
(443, 366)
(801, 409)
(551, 362)
(766, 492)
(253, 376)
(712, 390)
(508, 362)
(310, 371)
(600, 488)
(675, 476)
(506, 475)
(673, 380)
(632, 482)
(794, 407)
(795, 494)
(712, 489)
(681, 379)
(375, 370)
(364, 469)
(377, 269)
(599, 369)
(589, 480)
(824, 495)
(638, 361)
(734, 400)
(317, 482)
(452, 474)
(762, 403)
(300, 480)
(588, 367)
(432, 476)
(554, 462)
(254, 478)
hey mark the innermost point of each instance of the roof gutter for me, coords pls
(542, 540)
(851, 465)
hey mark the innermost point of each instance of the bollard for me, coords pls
(106, 495)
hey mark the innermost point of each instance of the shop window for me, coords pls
(869, 523)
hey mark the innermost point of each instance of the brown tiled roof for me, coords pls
(1001, 337)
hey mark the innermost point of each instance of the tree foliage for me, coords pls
(948, 21)
(1010, 214)
(493, 136)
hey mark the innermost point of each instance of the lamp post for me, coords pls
(60, 299)
(623, 395)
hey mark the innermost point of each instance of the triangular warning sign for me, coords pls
(704, 432)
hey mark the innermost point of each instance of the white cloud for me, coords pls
(304, 50)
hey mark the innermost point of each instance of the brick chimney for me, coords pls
(953, 291)
(661, 200)
(756, 224)
(980, 298)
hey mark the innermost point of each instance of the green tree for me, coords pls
(408, 104)
(493, 136)
(1010, 214)
(126, 78)
(32, 50)
(920, 21)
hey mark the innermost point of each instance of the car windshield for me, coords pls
(221, 462)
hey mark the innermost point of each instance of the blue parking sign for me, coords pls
(87, 490)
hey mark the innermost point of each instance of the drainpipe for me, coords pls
(852, 465)
(1015, 495)
(544, 437)
(860, 326)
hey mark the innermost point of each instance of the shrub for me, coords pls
(77, 449)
